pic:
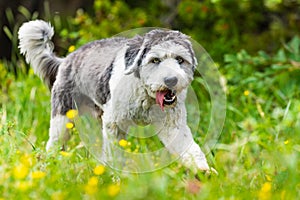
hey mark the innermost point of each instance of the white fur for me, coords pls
(57, 131)
(32, 38)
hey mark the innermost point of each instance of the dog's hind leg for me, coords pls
(57, 131)
(61, 101)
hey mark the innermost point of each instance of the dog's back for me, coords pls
(35, 43)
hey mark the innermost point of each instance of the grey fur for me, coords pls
(132, 50)
(102, 91)
(82, 76)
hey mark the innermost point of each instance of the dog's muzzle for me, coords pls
(166, 98)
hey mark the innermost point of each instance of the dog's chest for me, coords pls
(140, 111)
(133, 107)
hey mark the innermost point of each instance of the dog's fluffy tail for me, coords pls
(35, 44)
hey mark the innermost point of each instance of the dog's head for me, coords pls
(165, 63)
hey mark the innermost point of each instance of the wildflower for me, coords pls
(265, 191)
(26, 160)
(65, 154)
(38, 175)
(90, 189)
(71, 48)
(286, 142)
(93, 181)
(91, 186)
(99, 170)
(20, 171)
(123, 143)
(246, 92)
(69, 125)
(266, 187)
(71, 114)
(113, 190)
(24, 185)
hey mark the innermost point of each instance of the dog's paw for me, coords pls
(199, 165)
(211, 171)
(205, 168)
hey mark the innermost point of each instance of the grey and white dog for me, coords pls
(123, 81)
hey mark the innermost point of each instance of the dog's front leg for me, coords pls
(179, 141)
(111, 137)
(108, 132)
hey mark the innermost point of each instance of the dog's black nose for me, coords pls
(171, 81)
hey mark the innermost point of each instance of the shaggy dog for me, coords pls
(123, 81)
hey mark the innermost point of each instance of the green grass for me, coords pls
(257, 155)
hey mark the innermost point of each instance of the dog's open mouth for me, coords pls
(165, 98)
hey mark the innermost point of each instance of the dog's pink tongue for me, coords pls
(160, 99)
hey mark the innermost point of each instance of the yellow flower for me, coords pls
(113, 190)
(24, 185)
(71, 114)
(91, 186)
(266, 187)
(65, 154)
(265, 191)
(123, 143)
(90, 189)
(26, 160)
(286, 142)
(20, 171)
(71, 48)
(38, 175)
(69, 125)
(246, 92)
(99, 170)
(93, 181)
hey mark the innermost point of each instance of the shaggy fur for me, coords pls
(123, 81)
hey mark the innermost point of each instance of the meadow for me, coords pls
(257, 154)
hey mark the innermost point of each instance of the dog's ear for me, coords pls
(134, 55)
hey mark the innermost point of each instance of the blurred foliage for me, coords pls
(219, 26)
(108, 19)
(263, 92)
(274, 77)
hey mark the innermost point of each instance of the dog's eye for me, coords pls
(155, 60)
(179, 59)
